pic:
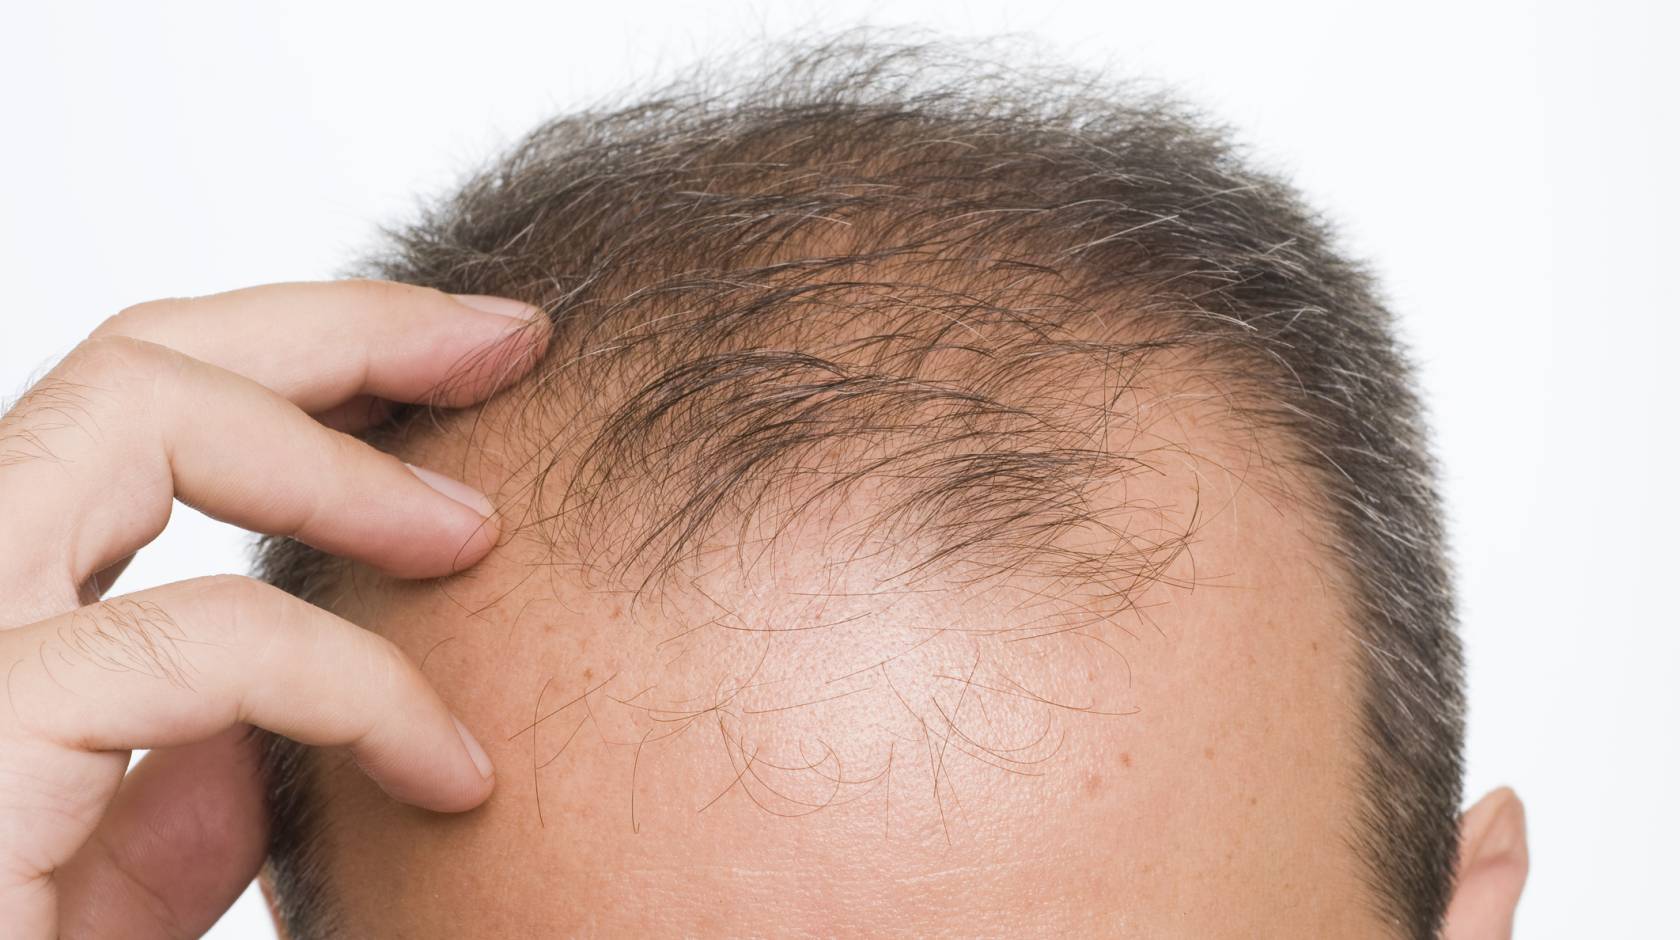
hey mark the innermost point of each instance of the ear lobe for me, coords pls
(1492, 867)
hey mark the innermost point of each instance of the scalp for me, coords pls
(943, 326)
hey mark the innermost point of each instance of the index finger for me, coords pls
(323, 343)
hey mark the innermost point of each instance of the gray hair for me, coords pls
(986, 232)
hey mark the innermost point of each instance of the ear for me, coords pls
(1492, 866)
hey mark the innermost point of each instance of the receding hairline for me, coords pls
(1137, 192)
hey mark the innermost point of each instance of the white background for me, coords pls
(1509, 168)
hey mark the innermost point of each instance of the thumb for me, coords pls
(184, 836)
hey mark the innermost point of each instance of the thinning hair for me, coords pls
(883, 266)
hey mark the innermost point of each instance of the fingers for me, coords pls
(209, 400)
(320, 344)
(156, 425)
(184, 836)
(190, 398)
(179, 663)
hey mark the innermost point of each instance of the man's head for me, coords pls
(954, 501)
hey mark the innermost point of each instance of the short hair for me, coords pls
(983, 230)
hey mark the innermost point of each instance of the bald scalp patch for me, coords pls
(869, 546)
(831, 670)
(811, 700)
(909, 321)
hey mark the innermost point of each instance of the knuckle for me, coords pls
(101, 377)
(144, 320)
(257, 616)
(391, 675)
(114, 359)
(246, 617)
(135, 375)
(388, 661)
(232, 603)
(129, 320)
(235, 595)
(96, 397)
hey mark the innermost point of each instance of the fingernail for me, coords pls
(500, 306)
(455, 490)
(475, 750)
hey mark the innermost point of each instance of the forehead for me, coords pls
(799, 740)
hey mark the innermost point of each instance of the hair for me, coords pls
(876, 265)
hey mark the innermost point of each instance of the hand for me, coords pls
(210, 400)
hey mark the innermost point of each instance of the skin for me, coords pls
(1210, 798)
(1193, 777)
(214, 401)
